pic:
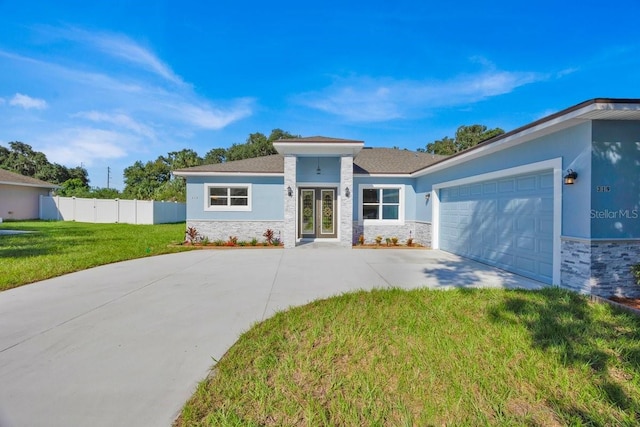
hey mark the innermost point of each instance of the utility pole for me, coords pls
(108, 175)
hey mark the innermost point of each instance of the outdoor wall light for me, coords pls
(427, 196)
(570, 177)
(347, 192)
(289, 191)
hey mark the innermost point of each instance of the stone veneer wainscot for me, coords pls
(600, 267)
(419, 231)
(243, 230)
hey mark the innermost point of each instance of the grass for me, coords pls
(56, 248)
(424, 357)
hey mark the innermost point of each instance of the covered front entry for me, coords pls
(317, 213)
(318, 180)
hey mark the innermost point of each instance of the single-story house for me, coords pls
(20, 195)
(557, 200)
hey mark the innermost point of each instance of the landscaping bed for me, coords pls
(374, 246)
(627, 302)
(225, 246)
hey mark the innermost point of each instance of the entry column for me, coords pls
(346, 201)
(290, 201)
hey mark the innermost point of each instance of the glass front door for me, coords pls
(317, 213)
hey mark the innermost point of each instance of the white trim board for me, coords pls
(553, 164)
(227, 208)
(401, 205)
(275, 174)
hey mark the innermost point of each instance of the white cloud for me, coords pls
(26, 102)
(207, 117)
(121, 46)
(119, 120)
(125, 100)
(367, 99)
(116, 100)
(127, 49)
(87, 146)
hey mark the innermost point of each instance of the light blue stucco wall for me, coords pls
(615, 189)
(306, 169)
(267, 195)
(409, 193)
(573, 145)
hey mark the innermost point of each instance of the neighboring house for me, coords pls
(20, 195)
(506, 202)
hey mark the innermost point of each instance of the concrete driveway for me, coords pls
(126, 343)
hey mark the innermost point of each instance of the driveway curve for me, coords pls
(126, 343)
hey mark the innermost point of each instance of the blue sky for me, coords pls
(103, 84)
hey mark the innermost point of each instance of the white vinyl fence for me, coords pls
(111, 210)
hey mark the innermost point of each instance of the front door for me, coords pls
(317, 213)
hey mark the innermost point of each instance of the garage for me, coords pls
(506, 222)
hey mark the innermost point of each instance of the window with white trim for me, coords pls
(227, 197)
(384, 204)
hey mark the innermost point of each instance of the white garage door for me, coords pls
(506, 222)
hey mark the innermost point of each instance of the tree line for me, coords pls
(143, 180)
(153, 179)
(465, 138)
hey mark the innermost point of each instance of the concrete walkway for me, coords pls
(126, 343)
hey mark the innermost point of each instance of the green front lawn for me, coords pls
(56, 248)
(424, 357)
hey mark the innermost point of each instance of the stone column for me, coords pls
(289, 201)
(346, 203)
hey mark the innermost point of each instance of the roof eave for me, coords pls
(212, 173)
(22, 184)
(382, 175)
(561, 120)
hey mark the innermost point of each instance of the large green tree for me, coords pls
(215, 155)
(466, 137)
(141, 180)
(153, 179)
(73, 187)
(257, 145)
(22, 159)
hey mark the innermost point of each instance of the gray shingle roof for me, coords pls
(391, 161)
(266, 164)
(368, 161)
(7, 177)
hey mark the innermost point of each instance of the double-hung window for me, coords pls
(228, 197)
(384, 204)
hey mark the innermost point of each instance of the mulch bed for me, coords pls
(384, 246)
(199, 246)
(629, 302)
